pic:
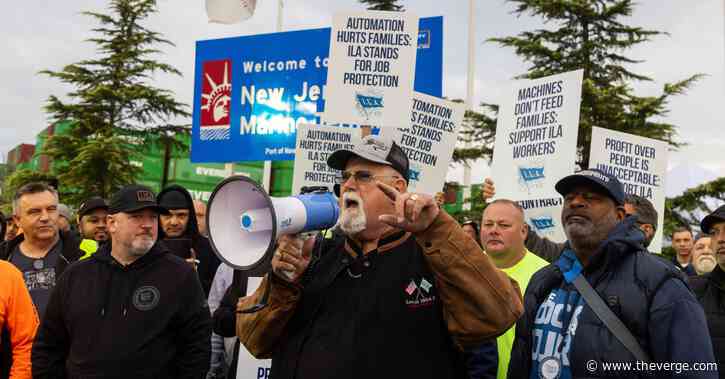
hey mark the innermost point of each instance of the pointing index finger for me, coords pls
(389, 191)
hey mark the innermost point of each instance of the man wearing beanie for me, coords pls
(64, 218)
(179, 230)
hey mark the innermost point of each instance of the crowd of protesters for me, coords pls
(130, 287)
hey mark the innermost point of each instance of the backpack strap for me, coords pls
(610, 320)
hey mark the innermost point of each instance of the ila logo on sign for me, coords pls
(369, 104)
(531, 176)
(542, 224)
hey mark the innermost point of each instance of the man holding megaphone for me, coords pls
(401, 296)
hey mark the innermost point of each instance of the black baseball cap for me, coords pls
(608, 184)
(713, 218)
(134, 197)
(375, 149)
(96, 202)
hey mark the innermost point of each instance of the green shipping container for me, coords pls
(282, 172)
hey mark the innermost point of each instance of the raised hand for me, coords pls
(414, 212)
(489, 190)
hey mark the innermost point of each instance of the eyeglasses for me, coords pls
(360, 177)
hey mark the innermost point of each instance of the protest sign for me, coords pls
(249, 367)
(251, 92)
(536, 136)
(314, 144)
(372, 62)
(544, 217)
(429, 140)
(639, 163)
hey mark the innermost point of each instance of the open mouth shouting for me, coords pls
(351, 201)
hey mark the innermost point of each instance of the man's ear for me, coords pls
(525, 230)
(110, 222)
(401, 185)
(648, 230)
(621, 214)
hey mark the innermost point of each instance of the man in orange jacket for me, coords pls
(18, 322)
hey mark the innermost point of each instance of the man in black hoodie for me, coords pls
(132, 310)
(181, 225)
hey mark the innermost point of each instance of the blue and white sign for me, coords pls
(536, 136)
(315, 143)
(251, 92)
(428, 140)
(372, 62)
(544, 217)
(640, 163)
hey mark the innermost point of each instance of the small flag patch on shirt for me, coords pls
(425, 285)
(411, 288)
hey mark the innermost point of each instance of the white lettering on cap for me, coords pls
(596, 174)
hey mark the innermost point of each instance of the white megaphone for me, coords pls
(244, 222)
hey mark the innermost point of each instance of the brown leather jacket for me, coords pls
(479, 301)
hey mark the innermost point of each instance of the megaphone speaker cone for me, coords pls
(238, 201)
(244, 222)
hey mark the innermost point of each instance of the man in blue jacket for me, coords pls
(559, 336)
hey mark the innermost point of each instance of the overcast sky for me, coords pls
(51, 36)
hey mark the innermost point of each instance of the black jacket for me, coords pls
(71, 251)
(208, 261)
(348, 302)
(648, 295)
(688, 270)
(3, 226)
(710, 292)
(149, 319)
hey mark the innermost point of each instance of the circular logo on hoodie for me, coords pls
(146, 298)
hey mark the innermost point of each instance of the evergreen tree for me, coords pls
(383, 5)
(478, 129)
(114, 106)
(590, 35)
(689, 207)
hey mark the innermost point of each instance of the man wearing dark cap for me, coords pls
(560, 336)
(401, 296)
(710, 288)
(180, 232)
(92, 219)
(132, 310)
(92, 224)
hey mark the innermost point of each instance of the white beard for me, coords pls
(352, 220)
(141, 246)
(704, 264)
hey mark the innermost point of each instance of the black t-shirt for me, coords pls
(39, 274)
